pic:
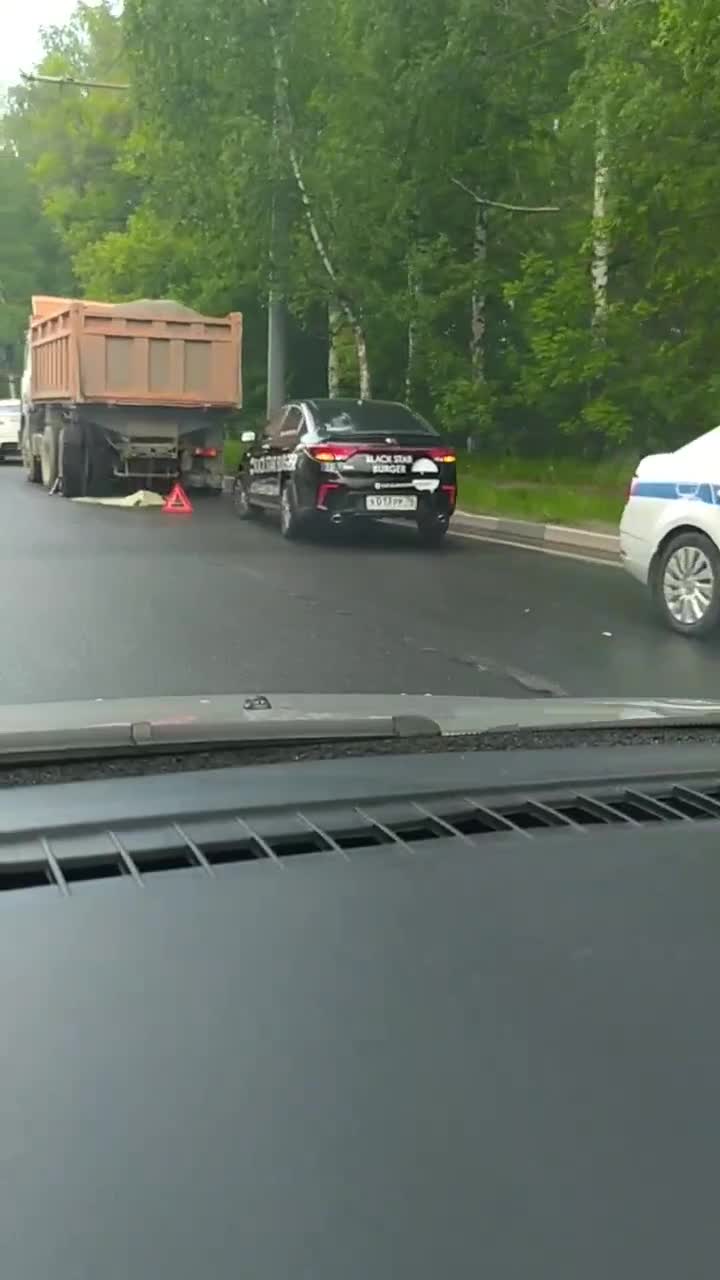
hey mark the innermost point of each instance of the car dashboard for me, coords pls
(388, 1015)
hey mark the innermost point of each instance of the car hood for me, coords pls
(184, 722)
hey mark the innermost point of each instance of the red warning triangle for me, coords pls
(177, 502)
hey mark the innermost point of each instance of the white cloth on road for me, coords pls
(141, 498)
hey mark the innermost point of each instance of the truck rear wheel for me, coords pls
(74, 461)
(49, 457)
(31, 464)
(87, 463)
(99, 467)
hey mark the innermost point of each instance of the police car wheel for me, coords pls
(687, 584)
(290, 520)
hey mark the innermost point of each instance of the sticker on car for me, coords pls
(425, 475)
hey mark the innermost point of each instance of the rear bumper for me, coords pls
(339, 501)
(10, 449)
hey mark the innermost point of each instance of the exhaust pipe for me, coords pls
(336, 518)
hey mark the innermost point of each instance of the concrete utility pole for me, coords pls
(277, 353)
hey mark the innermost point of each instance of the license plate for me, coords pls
(391, 502)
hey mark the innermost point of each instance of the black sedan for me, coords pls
(338, 460)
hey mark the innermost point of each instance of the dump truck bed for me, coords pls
(134, 353)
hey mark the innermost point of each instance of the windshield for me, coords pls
(358, 418)
(394, 381)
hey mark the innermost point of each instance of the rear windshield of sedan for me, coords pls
(363, 418)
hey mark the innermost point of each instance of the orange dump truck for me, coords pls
(135, 392)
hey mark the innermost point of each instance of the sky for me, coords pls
(20, 48)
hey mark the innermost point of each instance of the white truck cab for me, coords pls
(9, 430)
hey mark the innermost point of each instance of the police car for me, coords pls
(332, 461)
(670, 533)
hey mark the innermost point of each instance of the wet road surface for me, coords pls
(99, 602)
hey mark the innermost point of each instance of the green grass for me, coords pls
(233, 453)
(562, 491)
(554, 491)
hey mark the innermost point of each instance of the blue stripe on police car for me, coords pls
(673, 492)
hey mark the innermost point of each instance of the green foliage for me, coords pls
(31, 259)
(397, 113)
(71, 138)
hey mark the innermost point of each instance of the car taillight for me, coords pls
(205, 453)
(331, 452)
(442, 455)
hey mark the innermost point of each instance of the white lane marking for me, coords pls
(526, 546)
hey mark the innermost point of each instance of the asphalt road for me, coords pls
(104, 603)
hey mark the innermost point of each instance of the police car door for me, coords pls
(265, 463)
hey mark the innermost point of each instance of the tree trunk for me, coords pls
(478, 318)
(346, 306)
(333, 369)
(277, 313)
(337, 318)
(478, 321)
(599, 268)
(363, 363)
(413, 284)
(600, 240)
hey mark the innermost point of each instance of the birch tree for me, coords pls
(425, 145)
(600, 264)
(478, 324)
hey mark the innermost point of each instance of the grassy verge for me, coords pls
(550, 491)
(233, 453)
(553, 491)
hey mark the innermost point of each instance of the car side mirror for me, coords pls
(247, 437)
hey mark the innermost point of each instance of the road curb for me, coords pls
(550, 537)
(526, 533)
